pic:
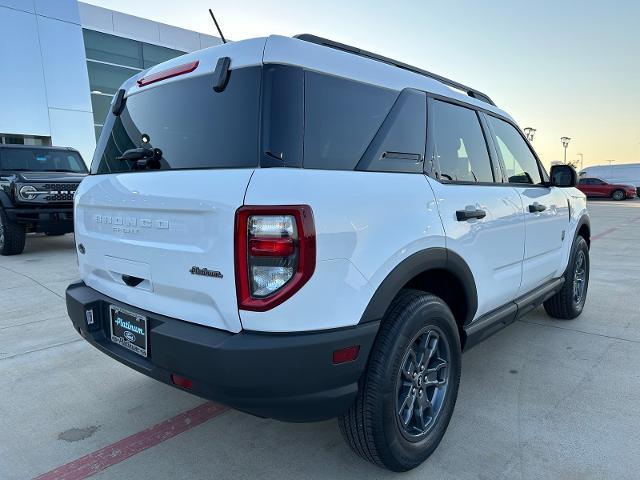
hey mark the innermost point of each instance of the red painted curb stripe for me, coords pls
(121, 450)
(613, 229)
(606, 232)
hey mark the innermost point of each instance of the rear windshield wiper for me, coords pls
(142, 157)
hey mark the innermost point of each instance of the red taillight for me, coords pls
(181, 381)
(275, 254)
(170, 72)
(344, 355)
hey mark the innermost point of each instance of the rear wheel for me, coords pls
(407, 395)
(569, 301)
(12, 236)
(618, 195)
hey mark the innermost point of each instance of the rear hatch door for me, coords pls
(160, 235)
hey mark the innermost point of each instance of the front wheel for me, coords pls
(407, 395)
(12, 236)
(569, 301)
(618, 195)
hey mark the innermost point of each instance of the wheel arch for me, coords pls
(583, 229)
(434, 270)
(5, 201)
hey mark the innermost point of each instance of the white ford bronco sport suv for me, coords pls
(304, 230)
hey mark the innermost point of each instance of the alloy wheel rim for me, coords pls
(579, 277)
(422, 383)
(617, 195)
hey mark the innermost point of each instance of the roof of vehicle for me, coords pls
(307, 37)
(619, 165)
(38, 147)
(325, 56)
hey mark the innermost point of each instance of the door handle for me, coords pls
(463, 215)
(536, 208)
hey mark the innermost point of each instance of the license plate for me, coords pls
(128, 329)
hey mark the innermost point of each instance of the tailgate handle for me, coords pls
(131, 280)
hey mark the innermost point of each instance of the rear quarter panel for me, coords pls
(366, 224)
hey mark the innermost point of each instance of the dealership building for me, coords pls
(63, 60)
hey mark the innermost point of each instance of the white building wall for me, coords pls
(44, 86)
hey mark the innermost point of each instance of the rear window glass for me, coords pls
(41, 160)
(459, 143)
(341, 118)
(192, 125)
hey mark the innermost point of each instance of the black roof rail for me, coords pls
(307, 37)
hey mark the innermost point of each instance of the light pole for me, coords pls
(581, 160)
(610, 162)
(529, 133)
(565, 144)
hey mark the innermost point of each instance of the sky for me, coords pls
(565, 67)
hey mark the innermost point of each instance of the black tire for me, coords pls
(373, 425)
(618, 195)
(568, 303)
(12, 236)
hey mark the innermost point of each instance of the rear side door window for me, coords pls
(519, 162)
(459, 148)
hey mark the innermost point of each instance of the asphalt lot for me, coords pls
(541, 399)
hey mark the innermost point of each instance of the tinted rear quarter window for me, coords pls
(192, 125)
(399, 144)
(341, 118)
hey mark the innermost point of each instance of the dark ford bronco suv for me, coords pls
(37, 185)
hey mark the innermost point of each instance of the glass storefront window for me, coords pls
(9, 139)
(110, 61)
(100, 104)
(153, 54)
(112, 49)
(107, 78)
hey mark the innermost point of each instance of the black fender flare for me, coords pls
(582, 221)
(429, 259)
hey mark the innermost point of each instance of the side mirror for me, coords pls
(563, 176)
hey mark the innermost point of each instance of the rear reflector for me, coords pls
(181, 381)
(170, 72)
(348, 354)
(272, 247)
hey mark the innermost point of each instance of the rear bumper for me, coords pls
(289, 377)
(58, 220)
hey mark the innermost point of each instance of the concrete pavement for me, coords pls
(541, 399)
